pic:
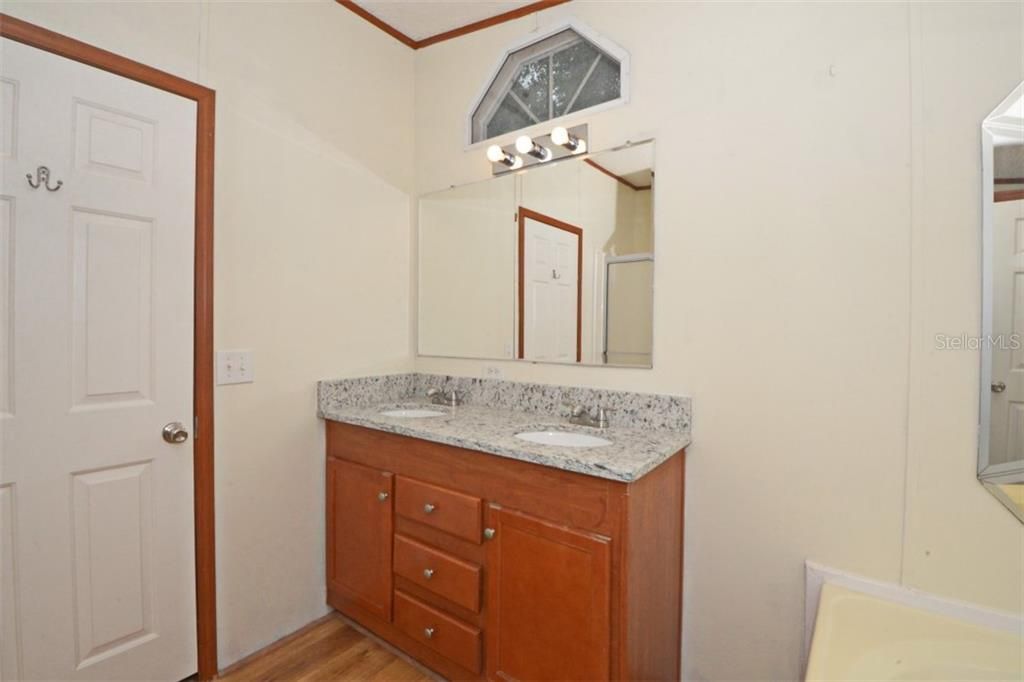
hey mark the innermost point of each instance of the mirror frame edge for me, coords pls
(991, 476)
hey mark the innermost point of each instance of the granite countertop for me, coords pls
(633, 452)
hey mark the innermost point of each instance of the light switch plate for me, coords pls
(235, 367)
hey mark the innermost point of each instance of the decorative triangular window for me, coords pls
(557, 75)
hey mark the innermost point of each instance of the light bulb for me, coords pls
(495, 154)
(560, 135)
(524, 143)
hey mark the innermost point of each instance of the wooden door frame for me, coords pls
(69, 48)
(525, 213)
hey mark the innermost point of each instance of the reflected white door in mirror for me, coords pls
(1001, 428)
(549, 296)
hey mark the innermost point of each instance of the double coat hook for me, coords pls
(42, 179)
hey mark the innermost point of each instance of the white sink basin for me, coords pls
(413, 413)
(565, 439)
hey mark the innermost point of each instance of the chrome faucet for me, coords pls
(449, 397)
(581, 417)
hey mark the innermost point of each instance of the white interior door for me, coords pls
(629, 311)
(96, 330)
(550, 292)
(1006, 442)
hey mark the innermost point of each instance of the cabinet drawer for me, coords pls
(444, 509)
(454, 579)
(448, 636)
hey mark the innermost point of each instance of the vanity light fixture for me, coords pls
(495, 154)
(535, 150)
(526, 145)
(563, 137)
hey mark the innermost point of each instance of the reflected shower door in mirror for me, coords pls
(1001, 451)
(552, 264)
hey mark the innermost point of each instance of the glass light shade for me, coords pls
(495, 154)
(524, 143)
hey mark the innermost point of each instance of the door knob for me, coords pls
(428, 508)
(998, 387)
(175, 433)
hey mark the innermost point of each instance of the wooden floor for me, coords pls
(329, 649)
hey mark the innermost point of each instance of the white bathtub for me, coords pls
(861, 637)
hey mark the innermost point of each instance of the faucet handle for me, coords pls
(574, 409)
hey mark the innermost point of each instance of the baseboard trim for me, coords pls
(275, 645)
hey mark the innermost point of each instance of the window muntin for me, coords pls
(558, 75)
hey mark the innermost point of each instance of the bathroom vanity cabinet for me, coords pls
(481, 566)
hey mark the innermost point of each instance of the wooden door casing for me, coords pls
(548, 600)
(359, 529)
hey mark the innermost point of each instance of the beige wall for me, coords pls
(312, 257)
(817, 222)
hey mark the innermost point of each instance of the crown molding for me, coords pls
(453, 33)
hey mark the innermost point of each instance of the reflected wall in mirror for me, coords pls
(1001, 442)
(467, 249)
(553, 264)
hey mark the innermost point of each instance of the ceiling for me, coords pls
(421, 19)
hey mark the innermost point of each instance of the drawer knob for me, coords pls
(428, 633)
(382, 496)
(428, 573)
(488, 533)
(428, 508)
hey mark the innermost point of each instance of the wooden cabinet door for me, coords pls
(548, 600)
(359, 528)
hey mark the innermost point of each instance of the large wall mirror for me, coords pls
(550, 264)
(1001, 434)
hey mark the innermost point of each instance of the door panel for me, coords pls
(112, 573)
(6, 296)
(8, 118)
(97, 308)
(113, 308)
(113, 143)
(10, 650)
(359, 530)
(548, 609)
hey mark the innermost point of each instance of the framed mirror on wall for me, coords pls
(552, 264)
(1001, 427)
